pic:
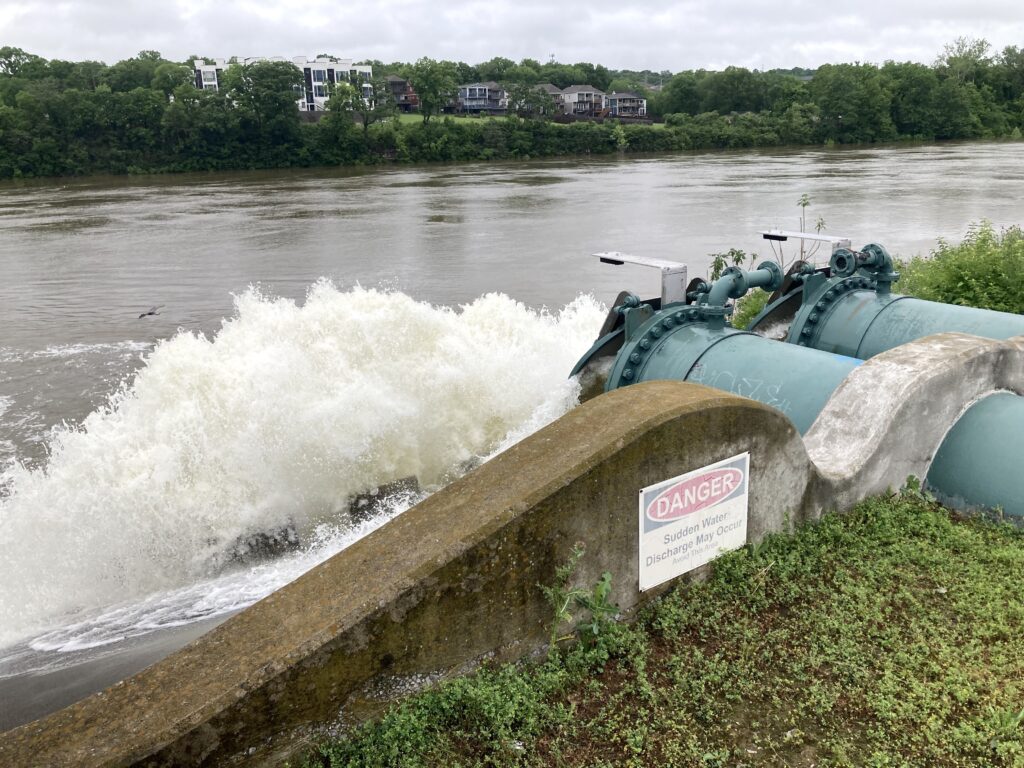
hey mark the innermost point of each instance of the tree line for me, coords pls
(144, 114)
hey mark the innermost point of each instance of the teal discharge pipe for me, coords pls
(849, 309)
(688, 340)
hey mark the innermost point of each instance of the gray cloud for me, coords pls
(642, 35)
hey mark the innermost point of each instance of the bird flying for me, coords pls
(152, 311)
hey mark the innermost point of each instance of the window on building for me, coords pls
(319, 75)
(209, 76)
(319, 91)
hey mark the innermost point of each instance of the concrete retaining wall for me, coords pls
(449, 582)
(454, 580)
(888, 418)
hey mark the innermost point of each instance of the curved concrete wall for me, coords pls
(449, 582)
(893, 411)
(454, 580)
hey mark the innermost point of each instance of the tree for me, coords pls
(200, 128)
(521, 74)
(734, 90)
(680, 95)
(529, 101)
(15, 62)
(957, 116)
(265, 92)
(494, 69)
(87, 75)
(169, 76)
(914, 98)
(1011, 73)
(597, 76)
(364, 106)
(854, 101)
(434, 83)
(965, 59)
(799, 123)
(464, 73)
(782, 91)
(137, 72)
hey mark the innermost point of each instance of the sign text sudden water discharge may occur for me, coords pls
(689, 520)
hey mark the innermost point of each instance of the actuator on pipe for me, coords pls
(849, 309)
(691, 342)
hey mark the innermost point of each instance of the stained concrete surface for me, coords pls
(451, 581)
(454, 580)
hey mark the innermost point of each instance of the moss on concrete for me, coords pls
(449, 582)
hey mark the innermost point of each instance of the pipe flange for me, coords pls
(649, 337)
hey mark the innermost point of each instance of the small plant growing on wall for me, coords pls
(598, 612)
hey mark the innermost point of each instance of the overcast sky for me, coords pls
(640, 35)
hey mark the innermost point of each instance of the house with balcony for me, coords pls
(318, 77)
(582, 100)
(478, 98)
(208, 76)
(626, 104)
(555, 93)
(403, 93)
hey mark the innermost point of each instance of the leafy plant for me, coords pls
(1004, 723)
(985, 270)
(748, 307)
(565, 600)
(734, 257)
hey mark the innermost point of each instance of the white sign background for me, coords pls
(691, 519)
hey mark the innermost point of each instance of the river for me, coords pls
(309, 345)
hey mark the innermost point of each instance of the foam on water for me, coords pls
(67, 351)
(273, 424)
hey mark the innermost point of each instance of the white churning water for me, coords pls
(272, 425)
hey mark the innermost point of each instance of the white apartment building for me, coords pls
(318, 76)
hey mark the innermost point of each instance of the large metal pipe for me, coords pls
(977, 464)
(691, 342)
(849, 309)
(796, 381)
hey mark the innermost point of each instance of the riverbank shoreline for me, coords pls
(384, 162)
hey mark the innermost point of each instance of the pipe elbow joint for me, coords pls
(731, 285)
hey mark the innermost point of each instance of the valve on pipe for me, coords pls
(683, 336)
(687, 339)
(848, 308)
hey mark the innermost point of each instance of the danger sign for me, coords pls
(689, 520)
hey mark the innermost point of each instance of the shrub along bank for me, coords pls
(985, 270)
(886, 636)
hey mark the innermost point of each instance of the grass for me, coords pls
(415, 117)
(889, 636)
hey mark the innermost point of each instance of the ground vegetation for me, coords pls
(885, 636)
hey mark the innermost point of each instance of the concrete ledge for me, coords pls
(449, 582)
(455, 579)
(888, 418)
